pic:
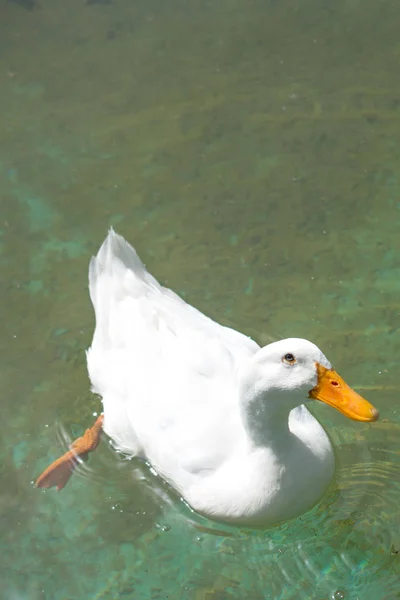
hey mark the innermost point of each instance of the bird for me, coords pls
(222, 420)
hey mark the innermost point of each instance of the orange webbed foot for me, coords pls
(59, 472)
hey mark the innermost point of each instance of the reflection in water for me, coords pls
(250, 152)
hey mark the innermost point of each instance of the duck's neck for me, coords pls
(266, 427)
(266, 415)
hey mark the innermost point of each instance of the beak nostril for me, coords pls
(334, 383)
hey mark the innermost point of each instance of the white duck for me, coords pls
(219, 418)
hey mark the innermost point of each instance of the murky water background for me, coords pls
(251, 152)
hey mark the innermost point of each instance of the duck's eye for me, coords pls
(289, 359)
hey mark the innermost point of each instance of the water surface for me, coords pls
(250, 151)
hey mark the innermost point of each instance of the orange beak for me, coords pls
(332, 390)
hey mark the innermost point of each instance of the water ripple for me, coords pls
(345, 545)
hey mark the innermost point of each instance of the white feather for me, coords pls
(178, 389)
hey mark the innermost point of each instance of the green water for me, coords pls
(250, 150)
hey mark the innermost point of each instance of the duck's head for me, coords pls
(297, 371)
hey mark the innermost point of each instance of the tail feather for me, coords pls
(116, 273)
(117, 260)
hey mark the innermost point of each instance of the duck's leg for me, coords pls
(59, 472)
